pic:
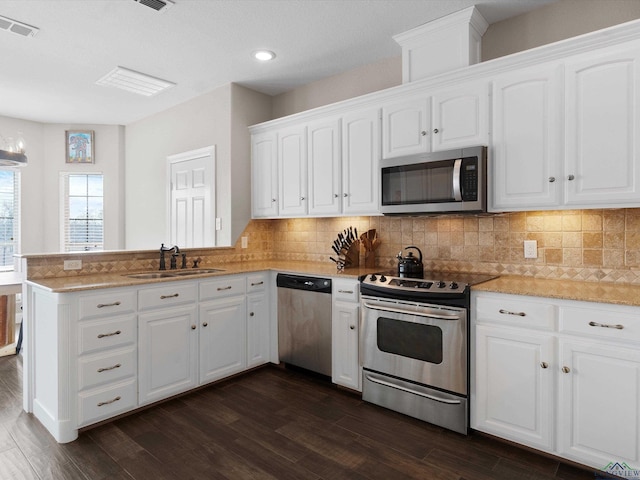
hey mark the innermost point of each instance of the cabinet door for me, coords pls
(460, 117)
(599, 403)
(602, 125)
(292, 171)
(223, 338)
(360, 157)
(346, 369)
(167, 354)
(527, 149)
(514, 385)
(405, 127)
(264, 180)
(324, 165)
(258, 339)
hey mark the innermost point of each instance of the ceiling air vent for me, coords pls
(157, 5)
(18, 28)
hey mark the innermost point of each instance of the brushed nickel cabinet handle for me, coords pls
(102, 305)
(101, 404)
(104, 369)
(507, 312)
(552, 179)
(566, 369)
(606, 325)
(220, 289)
(544, 365)
(257, 283)
(164, 297)
(102, 335)
(350, 292)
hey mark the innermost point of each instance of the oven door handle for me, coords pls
(410, 390)
(411, 312)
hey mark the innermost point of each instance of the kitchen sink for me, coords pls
(172, 273)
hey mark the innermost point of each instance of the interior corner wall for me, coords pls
(32, 200)
(194, 124)
(109, 161)
(555, 22)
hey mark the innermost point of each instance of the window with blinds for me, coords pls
(9, 217)
(83, 212)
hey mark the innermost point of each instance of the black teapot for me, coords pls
(410, 266)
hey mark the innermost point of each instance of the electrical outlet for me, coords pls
(244, 242)
(530, 249)
(218, 223)
(72, 264)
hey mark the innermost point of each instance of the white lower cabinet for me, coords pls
(557, 375)
(345, 315)
(223, 334)
(167, 353)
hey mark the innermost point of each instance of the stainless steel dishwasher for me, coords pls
(304, 322)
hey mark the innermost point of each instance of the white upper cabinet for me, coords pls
(360, 156)
(450, 118)
(264, 178)
(324, 167)
(292, 170)
(602, 122)
(526, 165)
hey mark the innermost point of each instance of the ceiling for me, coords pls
(199, 45)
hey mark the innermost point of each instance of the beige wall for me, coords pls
(551, 23)
(554, 22)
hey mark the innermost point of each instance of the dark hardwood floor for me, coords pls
(271, 423)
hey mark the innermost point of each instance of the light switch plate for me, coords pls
(73, 264)
(244, 242)
(530, 249)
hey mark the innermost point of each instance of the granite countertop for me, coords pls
(603, 292)
(120, 279)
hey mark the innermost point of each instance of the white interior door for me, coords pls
(192, 198)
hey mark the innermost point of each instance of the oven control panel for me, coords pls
(439, 286)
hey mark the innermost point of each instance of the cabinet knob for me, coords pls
(571, 177)
(205, 324)
(273, 200)
(302, 199)
(566, 369)
(335, 195)
(352, 327)
(544, 365)
(435, 130)
(345, 195)
(251, 314)
(552, 179)
(193, 327)
(423, 133)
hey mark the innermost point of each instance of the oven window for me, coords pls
(412, 340)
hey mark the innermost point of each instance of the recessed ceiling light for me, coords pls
(135, 82)
(264, 55)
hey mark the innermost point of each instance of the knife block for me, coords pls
(352, 257)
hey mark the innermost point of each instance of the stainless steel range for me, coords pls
(415, 348)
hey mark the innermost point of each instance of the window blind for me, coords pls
(83, 212)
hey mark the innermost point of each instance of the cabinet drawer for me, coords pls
(175, 293)
(99, 404)
(107, 333)
(222, 287)
(110, 303)
(514, 311)
(614, 323)
(256, 282)
(101, 369)
(345, 290)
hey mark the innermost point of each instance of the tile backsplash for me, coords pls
(591, 245)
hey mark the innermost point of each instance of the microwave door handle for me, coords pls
(457, 191)
(411, 312)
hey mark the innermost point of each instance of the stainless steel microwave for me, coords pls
(438, 182)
